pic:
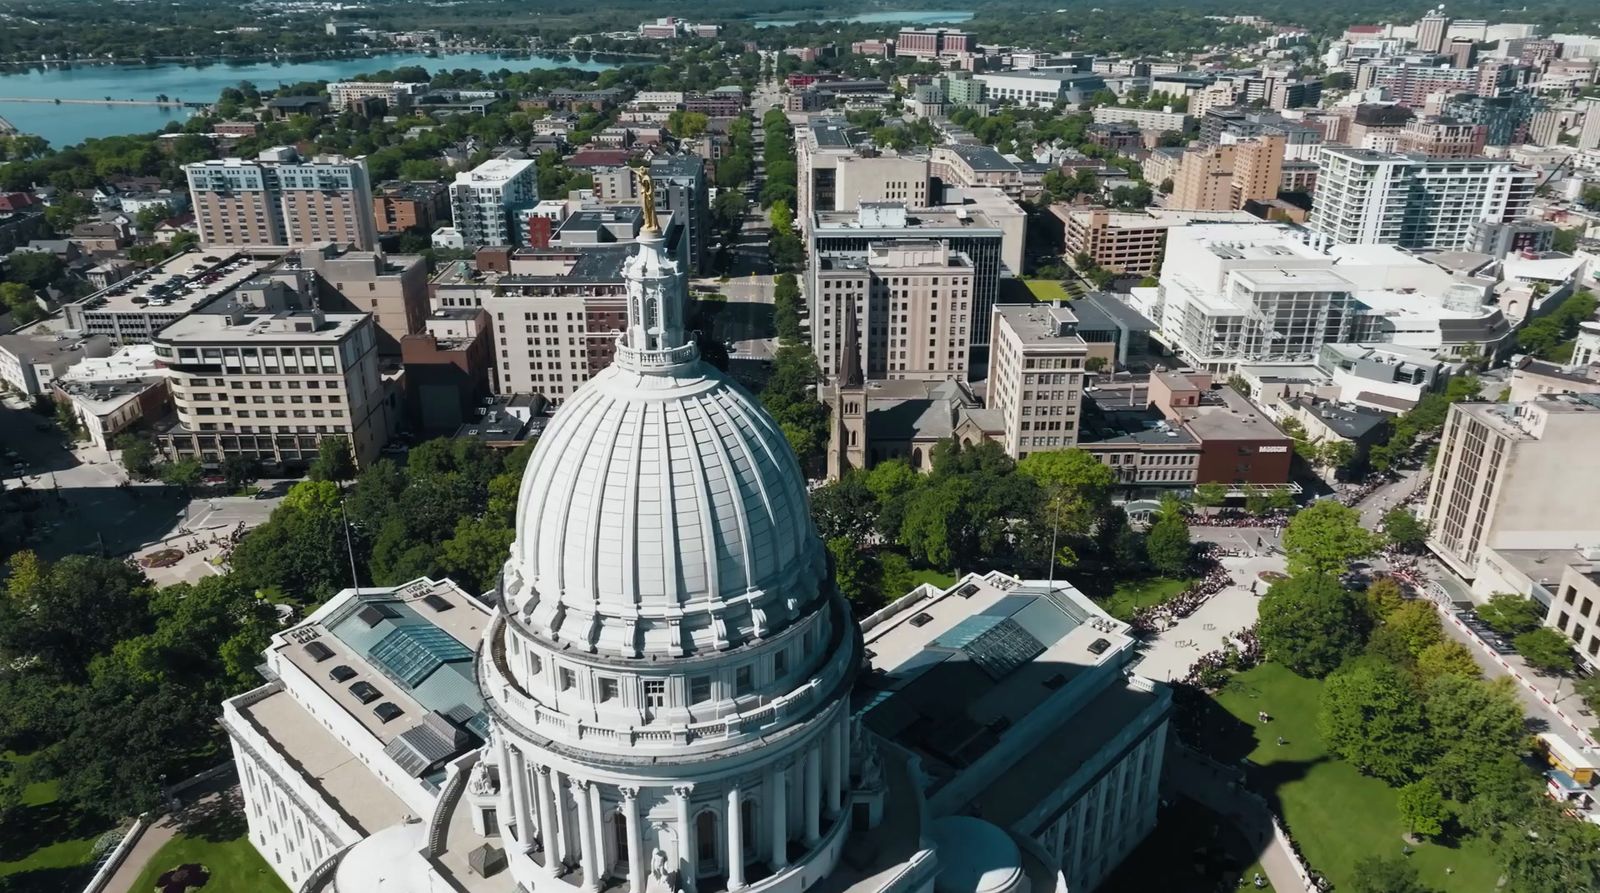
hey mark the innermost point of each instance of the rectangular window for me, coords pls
(608, 689)
(566, 680)
(743, 681)
(655, 692)
(780, 665)
(699, 689)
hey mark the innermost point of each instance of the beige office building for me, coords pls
(835, 172)
(1223, 178)
(1131, 243)
(1258, 170)
(394, 289)
(1515, 476)
(1036, 376)
(270, 384)
(913, 301)
(279, 198)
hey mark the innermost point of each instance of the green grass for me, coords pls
(1338, 815)
(235, 865)
(1046, 290)
(1131, 595)
(53, 853)
(1191, 848)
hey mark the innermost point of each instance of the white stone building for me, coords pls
(668, 692)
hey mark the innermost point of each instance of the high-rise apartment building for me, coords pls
(969, 233)
(263, 380)
(1036, 376)
(279, 198)
(484, 201)
(912, 304)
(1224, 177)
(1414, 201)
(681, 187)
(1515, 476)
(1431, 31)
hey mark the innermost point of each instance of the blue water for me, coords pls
(64, 125)
(909, 17)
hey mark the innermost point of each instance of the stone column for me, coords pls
(586, 841)
(778, 808)
(597, 820)
(813, 776)
(830, 762)
(547, 821)
(844, 755)
(519, 803)
(505, 805)
(685, 835)
(563, 847)
(636, 863)
(735, 840)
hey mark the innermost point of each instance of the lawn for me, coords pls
(1046, 290)
(1191, 848)
(1131, 595)
(235, 865)
(54, 854)
(1338, 815)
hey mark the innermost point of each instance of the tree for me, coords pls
(138, 456)
(20, 301)
(185, 474)
(1407, 631)
(858, 574)
(1211, 494)
(1393, 874)
(1422, 808)
(1384, 597)
(1546, 852)
(1545, 650)
(1472, 723)
(1311, 624)
(845, 508)
(1078, 486)
(476, 552)
(1371, 716)
(238, 472)
(1510, 615)
(781, 218)
(1168, 544)
(1588, 688)
(333, 462)
(1404, 531)
(1447, 658)
(1325, 538)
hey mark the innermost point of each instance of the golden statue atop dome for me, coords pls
(647, 197)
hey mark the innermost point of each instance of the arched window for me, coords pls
(916, 457)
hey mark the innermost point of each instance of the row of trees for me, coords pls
(977, 501)
(1405, 703)
(1550, 337)
(1426, 418)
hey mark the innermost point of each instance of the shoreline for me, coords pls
(20, 65)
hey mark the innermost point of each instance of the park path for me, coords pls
(200, 801)
(1218, 788)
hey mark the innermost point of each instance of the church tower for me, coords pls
(847, 441)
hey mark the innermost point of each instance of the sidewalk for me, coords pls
(202, 803)
(1205, 783)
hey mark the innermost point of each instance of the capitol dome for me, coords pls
(663, 510)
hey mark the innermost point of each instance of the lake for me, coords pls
(908, 17)
(66, 124)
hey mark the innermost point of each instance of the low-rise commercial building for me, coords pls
(400, 205)
(1040, 89)
(134, 309)
(1131, 243)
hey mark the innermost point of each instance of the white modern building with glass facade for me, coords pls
(1259, 293)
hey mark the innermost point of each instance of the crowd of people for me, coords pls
(1275, 519)
(1158, 617)
(1241, 650)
